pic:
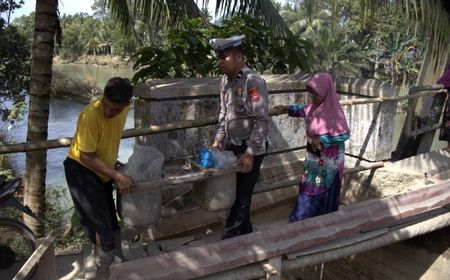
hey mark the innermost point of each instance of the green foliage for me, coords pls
(396, 49)
(186, 52)
(265, 50)
(121, 42)
(25, 26)
(96, 35)
(69, 234)
(14, 71)
(350, 40)
(7, 8)
(337, 55)
(72, 47)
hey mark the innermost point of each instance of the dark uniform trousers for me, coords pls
(238, 222)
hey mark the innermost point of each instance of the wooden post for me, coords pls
(416, 137)
(419, 111)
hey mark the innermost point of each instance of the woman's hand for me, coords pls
(315, 142)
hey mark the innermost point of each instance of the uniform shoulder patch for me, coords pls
(254, 95)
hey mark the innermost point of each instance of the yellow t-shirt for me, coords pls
(97, 134)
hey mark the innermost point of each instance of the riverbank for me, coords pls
(84, 82)
(101, 60)
(64, 86)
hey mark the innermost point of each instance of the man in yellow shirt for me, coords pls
(90, 172)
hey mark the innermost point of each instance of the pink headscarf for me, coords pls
(326, 117)
(445, 78)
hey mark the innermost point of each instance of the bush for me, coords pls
(186, 52)
(14, 72)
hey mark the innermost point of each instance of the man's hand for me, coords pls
(247, 162)
(125, 184)
(216, 145)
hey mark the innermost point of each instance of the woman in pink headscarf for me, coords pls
(326, 131)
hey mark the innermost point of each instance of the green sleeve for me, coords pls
(329, 141)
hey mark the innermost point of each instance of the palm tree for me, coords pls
(40, 88)
(308, 22)
(338, 55)
(396, 48)
(90, 36)
(433, 16)
(171, 13)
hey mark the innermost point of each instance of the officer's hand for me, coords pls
(125, 184)
(247, 162)
(281, 109)
(216, 145)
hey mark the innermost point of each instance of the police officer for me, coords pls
(243, 126)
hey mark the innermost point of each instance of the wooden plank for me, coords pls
(47, 263)
(258, 246)
(339, 243)
(35, 257)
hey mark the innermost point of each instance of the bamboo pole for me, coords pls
(205, 174)
(294, 180)
(128, 133)
(190, 177)
(155, 129)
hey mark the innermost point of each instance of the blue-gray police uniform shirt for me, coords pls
(244, 111)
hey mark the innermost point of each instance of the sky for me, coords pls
(65, 7)
(71, 7)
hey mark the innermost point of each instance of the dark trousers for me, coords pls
(93, 201)
(238, 221)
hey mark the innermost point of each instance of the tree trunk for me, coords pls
(40, 89)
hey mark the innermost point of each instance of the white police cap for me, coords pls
(222, 44)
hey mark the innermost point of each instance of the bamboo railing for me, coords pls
(155, 129)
